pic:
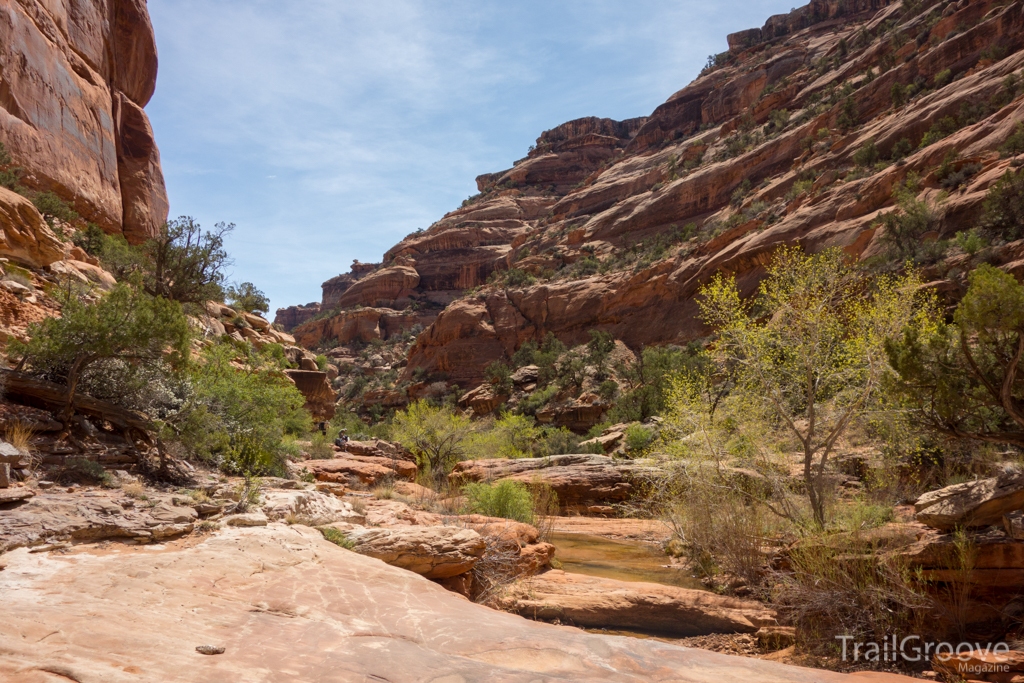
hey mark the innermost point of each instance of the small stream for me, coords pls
(620, 560)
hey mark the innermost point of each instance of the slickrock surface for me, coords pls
(76, 76)
(605, 603)
(287, 605)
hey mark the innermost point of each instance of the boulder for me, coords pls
(314, 386)
(9, 495)
(972, 504)
(581, 481)
(368, 470)
(379, 449)
(24, 236)
(248, 519)
(594, 602)
(311, 508)
(483, 400)
(287, 604)
(433, 552)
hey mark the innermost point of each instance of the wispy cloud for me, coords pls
(328, 130)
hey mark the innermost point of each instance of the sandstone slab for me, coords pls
(605, 603)
(288, 606)
(581, 481)
(434, 552)
(973, 504)
(312, 508)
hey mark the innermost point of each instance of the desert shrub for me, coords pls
(899, 95)
(647, 380)
(436, 435)
(638, 438)
(53, 207)
(500, 375)
(902, 148)
(943, 78)
(1003, 213)
(10, 175)
(516, 277)
(337, 537)
(124, 325)
(321, 360)
(866, 155)
(971, 242)
(320, 447)
(848, 117)
(556, 441)
(837, 585)
(907, 224)
(950, 176)
(506, 499)
(608, 389)
(942, 128)
(84, 471)
(1014, 144)
(246, 297)
(237, 411)
(510, 436)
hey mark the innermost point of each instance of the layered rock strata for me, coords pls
(74, 78)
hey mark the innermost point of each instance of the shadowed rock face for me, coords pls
(286, 605)
(74, 77)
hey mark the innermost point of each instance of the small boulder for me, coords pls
(438, 552)
(1013, 525)
(246, 520)
(972, 504)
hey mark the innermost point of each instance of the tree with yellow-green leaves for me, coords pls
(806, 353)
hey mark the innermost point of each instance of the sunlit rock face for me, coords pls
(74, 78)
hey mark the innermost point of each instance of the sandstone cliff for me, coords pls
(74, 78)
(615, 225)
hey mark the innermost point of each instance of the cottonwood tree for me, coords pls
(808, 351)
(435, 435)
(964, 379)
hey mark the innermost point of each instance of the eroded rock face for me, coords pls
(286, 605)
(75, 78)
(316, 389)
(605, 603)
(365, 469)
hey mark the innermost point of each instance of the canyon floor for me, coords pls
(287, 605)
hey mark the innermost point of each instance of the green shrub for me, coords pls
(1003, 213)
(436, 435)
(866, 155)
(51, 206)
(10, 175)
(246, 297)
(321, 447)
(905, 226)
(500, 376)
(971, 242)
(506, 499)
(942, 128)
(902, 148)
(1014, 144)
(943, 78)
(649, 379)
(239, 410)
(510, 436)
(537, 400)
(321, 362)
(608, 389)
(81, 470)
(848, 117)
(337, 537)
(637, 438)
(899, 95)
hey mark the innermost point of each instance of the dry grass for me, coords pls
(19, 435)
(135, 490)
(384, 490)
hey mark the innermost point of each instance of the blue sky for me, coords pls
(329, 129)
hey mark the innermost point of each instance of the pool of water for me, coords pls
(620, 560)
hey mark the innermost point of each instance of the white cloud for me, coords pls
(328, 130)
